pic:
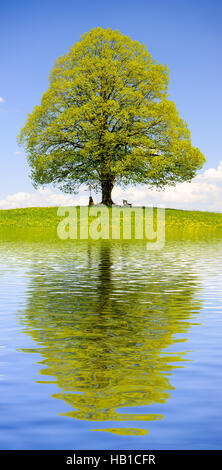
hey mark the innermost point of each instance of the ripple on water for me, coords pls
(93, 332)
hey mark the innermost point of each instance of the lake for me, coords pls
(108, 345)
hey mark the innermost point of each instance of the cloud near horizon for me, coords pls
(203, 193)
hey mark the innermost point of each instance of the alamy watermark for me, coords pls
(115, 223)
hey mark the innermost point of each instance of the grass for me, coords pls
(39, 223)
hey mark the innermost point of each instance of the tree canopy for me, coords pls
(106, 119)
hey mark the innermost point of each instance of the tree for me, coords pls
(105, 119)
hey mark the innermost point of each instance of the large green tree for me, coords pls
(105, 119)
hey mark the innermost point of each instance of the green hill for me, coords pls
(40, 223)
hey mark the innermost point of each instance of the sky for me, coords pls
(185, 35)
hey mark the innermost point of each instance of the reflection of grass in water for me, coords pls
(125, 431)
(37, 224)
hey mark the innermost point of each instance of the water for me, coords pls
(110, 346)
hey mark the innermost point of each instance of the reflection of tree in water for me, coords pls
(102, 327)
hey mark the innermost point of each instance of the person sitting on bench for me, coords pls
(125, 203)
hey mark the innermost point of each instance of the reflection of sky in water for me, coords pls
(127, 342)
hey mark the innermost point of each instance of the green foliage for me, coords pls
(105, 119)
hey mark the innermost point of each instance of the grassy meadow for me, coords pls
(40, 223)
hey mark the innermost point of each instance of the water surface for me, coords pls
(108, 345)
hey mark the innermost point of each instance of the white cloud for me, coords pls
(212, 174)
(41, 198)
(2, 99)
(198, 196)
(203, 193)
(18, 152)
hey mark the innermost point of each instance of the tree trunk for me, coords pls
(107, 186)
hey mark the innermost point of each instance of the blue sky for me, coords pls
(185, 35)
